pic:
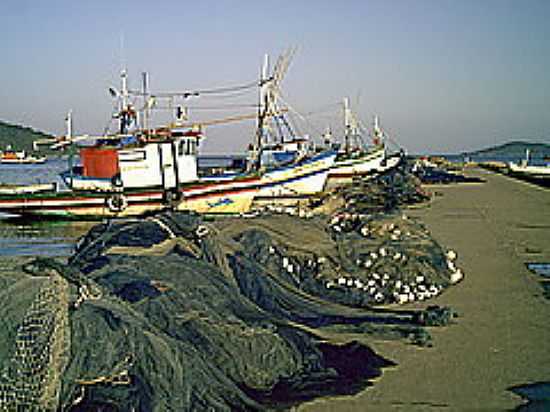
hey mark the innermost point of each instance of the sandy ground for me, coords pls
(502, 336)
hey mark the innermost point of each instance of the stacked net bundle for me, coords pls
(39, 351)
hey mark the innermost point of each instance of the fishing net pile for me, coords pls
(173, 312)
(439, 175)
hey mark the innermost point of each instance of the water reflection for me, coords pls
(41, 238)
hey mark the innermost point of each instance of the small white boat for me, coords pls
(22, 189)
(10, 156)
(530, 172)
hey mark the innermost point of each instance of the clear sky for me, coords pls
(444, 76)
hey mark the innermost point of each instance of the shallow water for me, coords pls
(34, 173)
(24, 238)
(37, 238)
(537, 396)
(541, 269)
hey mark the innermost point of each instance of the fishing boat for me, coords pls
(140, 170)
(10, 156)
(526, 171)
(290, 170)
(355, 159)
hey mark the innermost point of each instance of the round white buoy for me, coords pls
(451, 266)
(451, 255)
(402, 298)
(456, 276)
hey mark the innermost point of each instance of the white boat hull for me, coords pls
(536, 171)
(232, 196)
(32, 160)
(304, 179)
(33, 188)
(364, 165)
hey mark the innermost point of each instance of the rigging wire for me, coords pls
(385, 134)
(323, 109)
(207, 108)
(196, 93)
(300, 116)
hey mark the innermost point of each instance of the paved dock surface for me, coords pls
(502, 337)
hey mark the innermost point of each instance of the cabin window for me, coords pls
(187, 147)
(191, 147)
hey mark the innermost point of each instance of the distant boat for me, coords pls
(11, 156)
(527, 171)
(26, 189)
(355, 160)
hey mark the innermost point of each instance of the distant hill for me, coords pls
(19, 137)
(512, 149)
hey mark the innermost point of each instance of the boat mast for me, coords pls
(69, 125)
(144, 85)
(124, 121)
(263, 107)
(378, 135)
(351, 127)
(347, 125)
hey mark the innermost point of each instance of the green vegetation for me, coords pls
(20, 137)
(515, 148)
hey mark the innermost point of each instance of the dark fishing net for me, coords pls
(35, 343)
(174, 313)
